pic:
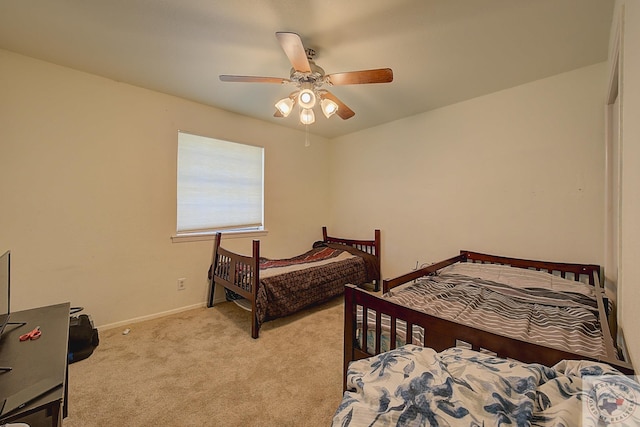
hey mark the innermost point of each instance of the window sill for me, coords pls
(196, 237)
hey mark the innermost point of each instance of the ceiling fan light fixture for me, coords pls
(329, 108)
(309, 79)
(307, 117)
(285, 105)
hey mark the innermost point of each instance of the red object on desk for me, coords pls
(33, 335)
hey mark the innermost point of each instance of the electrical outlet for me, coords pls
(181, 284)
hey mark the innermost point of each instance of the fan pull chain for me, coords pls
(306, 136)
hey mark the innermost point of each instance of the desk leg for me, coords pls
(65, 403)
(56, 414)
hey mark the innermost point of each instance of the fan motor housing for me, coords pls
(316, 76)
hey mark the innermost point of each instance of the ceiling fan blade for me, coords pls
(380, 75)
(294, 49)
(253, 79)
(343, 111)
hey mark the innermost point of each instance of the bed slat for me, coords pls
(378, 331)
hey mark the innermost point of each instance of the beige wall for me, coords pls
(88, 184)
(628, 12)
(519, 172)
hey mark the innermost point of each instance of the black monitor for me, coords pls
(5, 281)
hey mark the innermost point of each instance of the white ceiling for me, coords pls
(441, 51)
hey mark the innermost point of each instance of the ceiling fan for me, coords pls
(309, 80)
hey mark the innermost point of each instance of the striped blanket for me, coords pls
(565, 319)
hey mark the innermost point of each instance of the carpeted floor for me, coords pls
(201, 368)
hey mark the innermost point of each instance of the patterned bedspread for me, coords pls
(563, 315)
(316, 256)
(415, 386)
(288, 286)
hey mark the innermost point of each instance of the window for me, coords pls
(220, 185)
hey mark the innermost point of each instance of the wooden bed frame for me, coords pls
(441, 334)
(232, 270)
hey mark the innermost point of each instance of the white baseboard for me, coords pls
(152, 316)
(157, 315)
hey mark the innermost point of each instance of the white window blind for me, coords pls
(220, 185)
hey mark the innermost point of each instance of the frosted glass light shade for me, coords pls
(285, 105)
(307, 98)
(329, 107)
(307, 117)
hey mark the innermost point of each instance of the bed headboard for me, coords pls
(371, 247)
(586, 273)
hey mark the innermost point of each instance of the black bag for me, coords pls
(83, 337)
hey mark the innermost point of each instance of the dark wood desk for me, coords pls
(32, 361)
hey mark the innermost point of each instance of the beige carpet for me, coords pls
(201, 368)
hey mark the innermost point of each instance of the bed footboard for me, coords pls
(239, 274)
(361, 339)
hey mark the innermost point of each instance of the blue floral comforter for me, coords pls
(415, 386)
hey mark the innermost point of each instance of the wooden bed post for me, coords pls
(377, 254)
(214, 263)
(255, 281)
(349, 333)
